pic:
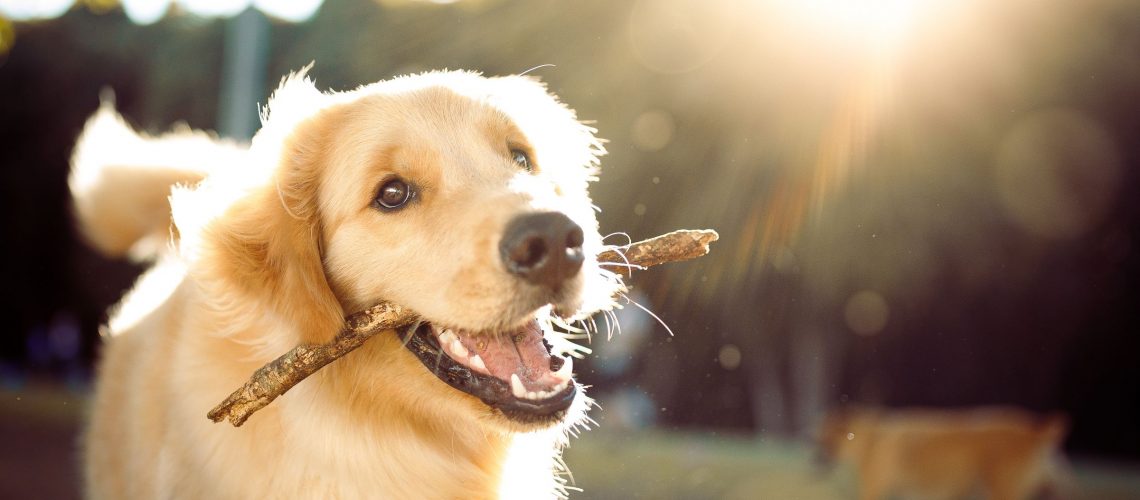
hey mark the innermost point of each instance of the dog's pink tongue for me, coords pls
(520, 352)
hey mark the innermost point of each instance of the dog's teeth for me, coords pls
(560, 387)
(517, 387)
(531, 395)
(565, 373)
(477, 363)
(450, 341)
(447, 337)
(457, 348)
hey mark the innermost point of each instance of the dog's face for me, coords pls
(444, 199)
(460, 197)
(416, 210)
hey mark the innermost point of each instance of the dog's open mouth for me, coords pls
(513, 372)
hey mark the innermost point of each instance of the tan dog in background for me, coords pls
(461, 197)
(1005, 453)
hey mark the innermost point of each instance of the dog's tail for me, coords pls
(121, 180)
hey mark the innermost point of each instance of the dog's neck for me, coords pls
(419, 453)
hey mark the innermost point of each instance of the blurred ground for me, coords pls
(38, 459)
(38, 434)
(660, 464)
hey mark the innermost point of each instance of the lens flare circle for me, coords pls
(1057, 173)
(867, 312)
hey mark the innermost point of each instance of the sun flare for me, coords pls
(870, 34)
(884, 23)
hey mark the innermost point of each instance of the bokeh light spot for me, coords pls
(729, 357)
(783, 259)
(215, 8)
(30, 10)
(145, 11)
(866, 312)
(1057, 173)
(293, 11)
(653, 130)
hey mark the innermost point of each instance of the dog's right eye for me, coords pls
(522, 159)
(393, 194)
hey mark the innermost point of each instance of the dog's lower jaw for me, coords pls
(475, 452)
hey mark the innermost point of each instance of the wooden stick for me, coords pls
(281, 374)
(676, 246)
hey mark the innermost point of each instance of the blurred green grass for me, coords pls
(691, 465)
(682, 465)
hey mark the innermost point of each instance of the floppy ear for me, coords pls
(267, 244)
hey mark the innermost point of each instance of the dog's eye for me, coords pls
(522, 159)
(393, 194)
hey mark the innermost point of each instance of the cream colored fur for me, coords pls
(273, 245)
(121, 180)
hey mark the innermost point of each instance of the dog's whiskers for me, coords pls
(621, 253)
(565, 478)
(647, 311)
(629, 240)
(591, 328)
(612, 324)
(562, 342)
(570, 328)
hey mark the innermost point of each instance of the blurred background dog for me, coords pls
(1003, 453)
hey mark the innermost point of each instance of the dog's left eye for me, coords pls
(393, 194)
(522, 159)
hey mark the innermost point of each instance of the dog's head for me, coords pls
(461, 197)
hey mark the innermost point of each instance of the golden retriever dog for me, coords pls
(1004, 453)
(461, 197)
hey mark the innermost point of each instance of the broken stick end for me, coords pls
(704, 237)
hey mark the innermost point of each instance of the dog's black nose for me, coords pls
(543, 248)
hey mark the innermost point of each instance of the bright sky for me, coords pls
(149, 11)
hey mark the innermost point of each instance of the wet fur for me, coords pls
(273, 245)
